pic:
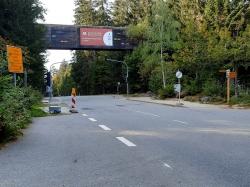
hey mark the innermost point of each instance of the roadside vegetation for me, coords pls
(17, 107)
(200, 38)
(18, 27)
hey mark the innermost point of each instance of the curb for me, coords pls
(181, 106)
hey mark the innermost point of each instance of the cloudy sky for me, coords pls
(58, 12)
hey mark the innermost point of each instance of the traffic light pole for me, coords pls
(126, 79)
(51, 80)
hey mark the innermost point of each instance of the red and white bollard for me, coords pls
(73, 101)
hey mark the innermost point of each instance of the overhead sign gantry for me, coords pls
(73, 37)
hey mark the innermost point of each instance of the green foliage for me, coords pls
(198, 37)
(17, 101)
(18, 24)
(242, 100)
(63, 81)
(37, 112)
(212, 88)
(192, 88)
(166, 92)
(155, 81)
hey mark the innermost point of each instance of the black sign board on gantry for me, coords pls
(87, 38)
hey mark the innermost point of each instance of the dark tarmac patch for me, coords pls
(87, 108)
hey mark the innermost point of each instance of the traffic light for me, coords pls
(47, 78)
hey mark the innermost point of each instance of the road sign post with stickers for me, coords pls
(178, 86)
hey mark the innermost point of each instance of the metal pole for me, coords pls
(51, 80)
(51, 84)
(179, 82)
(228, 85)
(25, 78)
(127, 78)
(126, 74)
(162, 67)
(228, 90)
(14, 77)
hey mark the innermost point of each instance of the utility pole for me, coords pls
(161, 42)
(162, 67)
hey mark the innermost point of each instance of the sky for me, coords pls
(58, 12)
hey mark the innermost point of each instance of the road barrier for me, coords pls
(73, 101)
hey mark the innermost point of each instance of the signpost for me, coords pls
(229, 75)
(15, 60)
(228, 85)
(178, 86)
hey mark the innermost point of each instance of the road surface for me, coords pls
(114, 142)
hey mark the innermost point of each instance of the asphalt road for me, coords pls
(114, 142)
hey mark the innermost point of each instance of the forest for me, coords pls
(201, 38)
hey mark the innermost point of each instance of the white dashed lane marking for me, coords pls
(147, 113)
(105, 127)
(141, 112)
(92, 119)
(182, 122)
(126, 142)
(167, 165)
(85, 115)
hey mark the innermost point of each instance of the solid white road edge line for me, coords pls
(126, 142)
(85, 115)
(92, 119)
(104, 127)
(183, 122)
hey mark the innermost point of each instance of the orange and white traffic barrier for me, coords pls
(73, 101)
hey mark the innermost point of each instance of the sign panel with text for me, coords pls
(15, 59)
(96, 37)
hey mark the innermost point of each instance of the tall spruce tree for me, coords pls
(18, 23)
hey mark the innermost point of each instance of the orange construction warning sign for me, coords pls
(15, 59)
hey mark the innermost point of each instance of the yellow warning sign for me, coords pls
(15, 59)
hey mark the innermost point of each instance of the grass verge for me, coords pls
(36, 111)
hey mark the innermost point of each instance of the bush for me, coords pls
(168, 91)
(212, 88)
(243, 100)
(191, 88)
(15, 107)
(18, 115)
(37, 112)
(155, 82)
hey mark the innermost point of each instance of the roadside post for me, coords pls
(15, 61)
(228, 85)
(229, 75)
(178, 86)
(118, 88)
